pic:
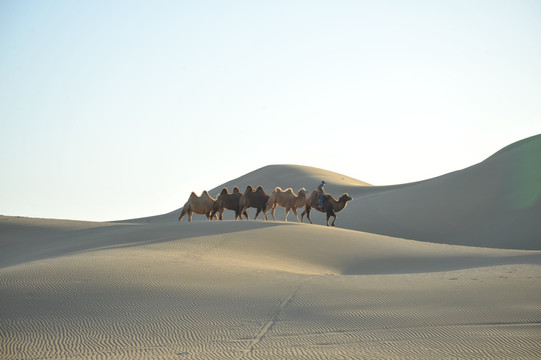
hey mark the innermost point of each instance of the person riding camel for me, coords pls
(321, 194)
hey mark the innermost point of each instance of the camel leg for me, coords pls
(287, 213)
(267, 208)
(245, 215)
(182, 215)
(307, 212)
(329, 214)
(190, 214)
(274, 212)
(243, 211)
(257, 212)
(271, 207)
(295, 212)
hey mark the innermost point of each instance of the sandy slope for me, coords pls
(496, 203)
(253, 290)
(155, 288)
(271, 176)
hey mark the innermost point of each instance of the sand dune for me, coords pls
(262, 290)
(496, 203)
(289, 247)
(271, 176)
(157, 289)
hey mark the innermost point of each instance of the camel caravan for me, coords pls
(263, 203)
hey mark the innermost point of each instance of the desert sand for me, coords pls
(443, 268)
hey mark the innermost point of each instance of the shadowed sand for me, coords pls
(158, 289)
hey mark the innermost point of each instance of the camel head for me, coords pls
(345, 198)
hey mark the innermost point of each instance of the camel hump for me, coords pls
(224, 191)
(206, 194)
(193, 195)
(277, 189)
(260, 189)
(236, 190)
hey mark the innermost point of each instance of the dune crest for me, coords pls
(255, 289)
(155, 288)
(495, 203)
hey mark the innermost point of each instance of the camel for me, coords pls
(202, 205)
(286, 199)
(330, 205)
(228, 201)
(253, 198)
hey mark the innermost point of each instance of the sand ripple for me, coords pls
(193, 292)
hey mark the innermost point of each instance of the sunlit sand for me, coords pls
(444, 268)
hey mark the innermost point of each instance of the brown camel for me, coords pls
(253, 198)
(228, 201)
(286, 199)
(202, 205)
(330, 205)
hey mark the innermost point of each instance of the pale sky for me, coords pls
(111, 110)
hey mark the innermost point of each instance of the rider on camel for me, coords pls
(321, 194)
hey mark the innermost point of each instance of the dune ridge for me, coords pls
(154, 288)
(496, 203)
(248, 290)
(273, 245)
